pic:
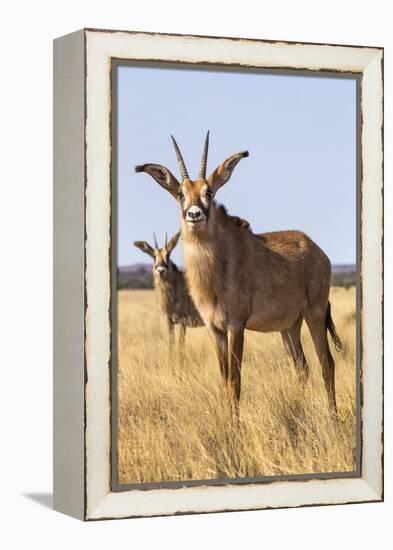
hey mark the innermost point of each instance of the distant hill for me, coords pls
(344, 268)
(344, 275)
(140, 276)
(135, 276)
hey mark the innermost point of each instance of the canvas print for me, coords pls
(235, 290)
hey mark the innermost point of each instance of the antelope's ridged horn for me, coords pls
(155, 240)
(182, 166)
(202, 170)
(166, 240)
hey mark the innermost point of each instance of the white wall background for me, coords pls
(26, 304)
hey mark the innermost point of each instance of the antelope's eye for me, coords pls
(180, 196)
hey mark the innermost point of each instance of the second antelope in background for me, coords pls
(169, 283)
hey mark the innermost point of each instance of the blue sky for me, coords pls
(300, 132)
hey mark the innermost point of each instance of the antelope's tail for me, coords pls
(332, 329)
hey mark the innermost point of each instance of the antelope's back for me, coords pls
(303, 254)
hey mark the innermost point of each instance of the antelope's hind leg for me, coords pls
(319, 336)
(292, 342)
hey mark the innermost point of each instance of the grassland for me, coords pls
(173, 419)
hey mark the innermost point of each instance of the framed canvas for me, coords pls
(216, 357)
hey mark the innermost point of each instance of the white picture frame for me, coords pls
(82, 245)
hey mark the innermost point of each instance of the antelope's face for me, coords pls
(161, 262)
(195, 199)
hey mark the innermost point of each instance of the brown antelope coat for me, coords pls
(239, 280)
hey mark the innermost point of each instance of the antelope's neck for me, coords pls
(204, 260)
(166, 290)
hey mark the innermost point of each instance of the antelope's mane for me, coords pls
(238, 222)
(174, 267)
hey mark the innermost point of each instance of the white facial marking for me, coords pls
(160, 269)
(204, 198)
(195, 215)
(186, 201)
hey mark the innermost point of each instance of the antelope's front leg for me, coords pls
(181, 343)
(171, 334)
(182, 336)
(220, 343)
(235, 355)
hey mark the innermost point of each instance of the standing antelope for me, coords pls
(239, 280)
(170, 286)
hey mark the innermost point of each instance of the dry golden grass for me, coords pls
(173, 419)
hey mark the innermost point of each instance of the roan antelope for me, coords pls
(239, 280)
(169, 283)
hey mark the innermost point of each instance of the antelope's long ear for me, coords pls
(145, 247)
(173, 242)
(162, 176)
(222, 174)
